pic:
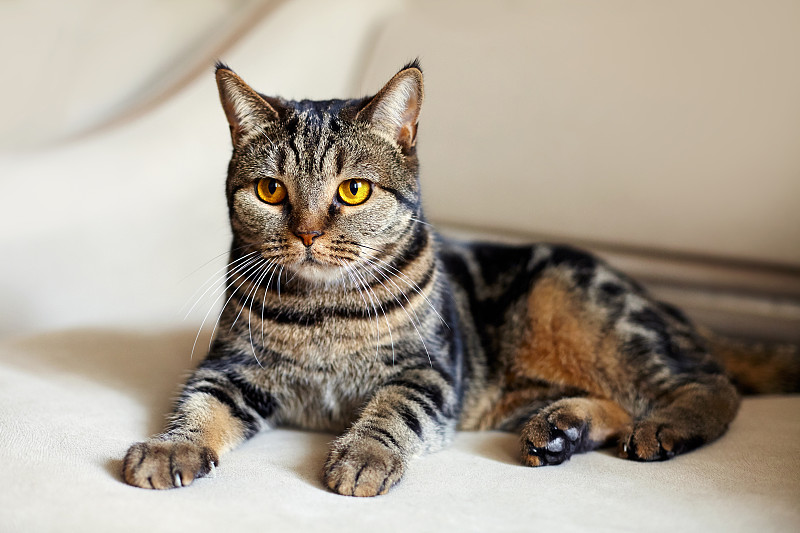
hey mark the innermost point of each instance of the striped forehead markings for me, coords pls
(326, 141)
(311, 135)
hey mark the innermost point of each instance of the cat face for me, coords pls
(316, 187)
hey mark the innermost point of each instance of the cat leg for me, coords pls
(215, 412)
(412, 413)
(569, 426)
(682, 419)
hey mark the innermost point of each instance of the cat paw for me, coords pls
(166, 464)
(359, 466)
(652, 441)
(551, 438)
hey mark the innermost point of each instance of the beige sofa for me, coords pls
(662, 135)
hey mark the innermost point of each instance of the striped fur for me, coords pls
(382, 331)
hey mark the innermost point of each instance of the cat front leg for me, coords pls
(216, 411)
(413, 413)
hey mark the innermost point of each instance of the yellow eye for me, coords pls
(271, 190)
(354, 192)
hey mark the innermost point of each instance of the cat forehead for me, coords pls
(309, 144)
(305, 122)
(317, 114)
(321, 107)
(310, 137)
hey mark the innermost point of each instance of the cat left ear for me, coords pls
(394, 111)
(246, 110)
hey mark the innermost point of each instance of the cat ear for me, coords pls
(246, 110)
(394, 111)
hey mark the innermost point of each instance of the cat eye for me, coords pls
(271, 190)
(354, 191)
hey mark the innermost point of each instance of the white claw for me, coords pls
(213, 472)
(178, 482)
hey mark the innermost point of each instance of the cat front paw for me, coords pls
(166, 464)
(360, 466)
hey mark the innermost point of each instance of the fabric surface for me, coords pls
(72, 402)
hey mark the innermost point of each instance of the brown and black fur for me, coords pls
(362, 320)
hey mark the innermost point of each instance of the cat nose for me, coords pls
(308, 236)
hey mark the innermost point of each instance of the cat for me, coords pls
(346, 312)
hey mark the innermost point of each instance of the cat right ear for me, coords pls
(394, 111)
(246, 110)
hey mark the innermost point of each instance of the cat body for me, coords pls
(346, 312)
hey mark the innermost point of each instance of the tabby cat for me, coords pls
(346, 312)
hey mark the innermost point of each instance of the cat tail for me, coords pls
(758, 368)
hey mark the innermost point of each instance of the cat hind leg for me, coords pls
(687, 417)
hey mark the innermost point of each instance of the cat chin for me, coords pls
(319, 274)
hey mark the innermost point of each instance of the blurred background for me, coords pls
(664, 136)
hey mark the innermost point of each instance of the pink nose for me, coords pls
(308, 236)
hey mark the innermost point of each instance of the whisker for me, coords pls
(362, 289)
(264, 300)
(408, 281)
(264, 134)
(279, 284)
(211, 280)
(251, 264)
(357, 286)
(385, 318)
(421, 221)
(228, 251)
(425, 346)
(243, 303)
(365, 246)
(250, 312)
(252, 269)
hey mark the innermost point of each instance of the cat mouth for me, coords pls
(315, 263)
(310, 259)
(318, 259)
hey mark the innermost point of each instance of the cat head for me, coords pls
(317, 186)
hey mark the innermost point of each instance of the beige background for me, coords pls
(664, 135)
(667, 125)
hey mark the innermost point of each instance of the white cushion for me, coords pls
(72, 403)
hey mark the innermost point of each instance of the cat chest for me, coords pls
(325, 370)
(324, 397)
(331, 340)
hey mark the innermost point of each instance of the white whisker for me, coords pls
(243, 302)
(228, 251)
(279, 284)
(211, 280)
(407, 280)
(385, 318)
(252, 269)
(421, 221)
(424, 345)
(256, 285)
(357, 286)
(264, 300)
(249, 264)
